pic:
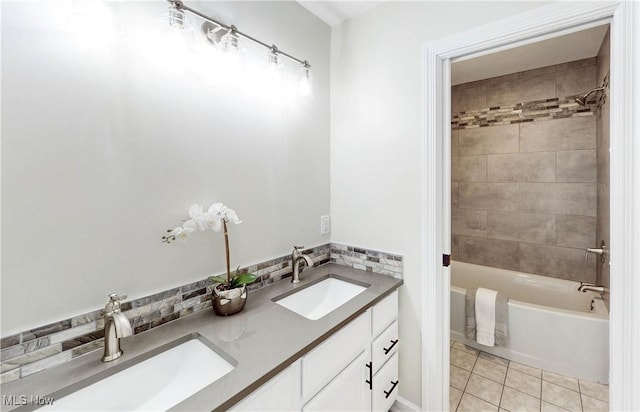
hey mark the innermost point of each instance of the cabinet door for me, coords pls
(324, 362)
(385, 312)
(349, 391)
(385, 385)
(385, 346)
(281, 393)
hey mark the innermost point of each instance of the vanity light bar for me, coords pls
(179, 5)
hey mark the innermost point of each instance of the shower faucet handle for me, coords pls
(597, 251)
(594, 251)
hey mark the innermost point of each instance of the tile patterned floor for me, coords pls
(484, 382)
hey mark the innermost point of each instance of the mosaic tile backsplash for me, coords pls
(369, 260)
(31, 351)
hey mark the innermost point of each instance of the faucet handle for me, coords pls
(114, 302)
(298, 247)
(114, 297)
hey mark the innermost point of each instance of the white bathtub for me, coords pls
(551, 324)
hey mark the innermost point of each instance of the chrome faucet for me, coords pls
(601, 251)
(296, 258)
(116, 326)
(585, 287)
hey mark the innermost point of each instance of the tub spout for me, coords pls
(586, 287)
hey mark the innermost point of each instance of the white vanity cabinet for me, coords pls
(384, 353)
(355, 369)
(335, 372)
(280, 393)
(348, 391)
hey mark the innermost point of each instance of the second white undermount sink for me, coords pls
(320, 298)
(155, 384)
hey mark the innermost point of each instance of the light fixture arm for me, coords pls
(178, 4)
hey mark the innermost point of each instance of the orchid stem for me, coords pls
(226, 249)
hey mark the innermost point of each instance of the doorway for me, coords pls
(539, 24)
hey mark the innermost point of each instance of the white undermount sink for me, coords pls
(157, 383)
(318, 299)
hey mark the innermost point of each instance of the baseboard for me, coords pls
(403, 405)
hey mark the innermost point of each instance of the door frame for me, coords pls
(535, 25)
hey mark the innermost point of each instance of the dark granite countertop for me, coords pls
(264, 339)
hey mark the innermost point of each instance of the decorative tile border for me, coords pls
(31, 351)
(533, 111)
(369, 260)
(279, 268)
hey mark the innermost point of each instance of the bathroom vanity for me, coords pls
(345, 359)
(354, 369)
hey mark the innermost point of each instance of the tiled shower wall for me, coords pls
(602, 121)
(524, 172)
(31, 351)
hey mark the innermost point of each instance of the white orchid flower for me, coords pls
(232, 216)
(199, 218)
(217, 209)
(215, 218)
(176, 232)
(214, 221)
(195, 210)
(224, 212)
(184, 233)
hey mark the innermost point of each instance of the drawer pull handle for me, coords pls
(393, 343)
(370, 380)
(387, 394)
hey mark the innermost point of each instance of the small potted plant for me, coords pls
(229, 293)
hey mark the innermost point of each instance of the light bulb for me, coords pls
(272, 65)
(304, 80)
(272, 60)
(176, 44)
(230, 43)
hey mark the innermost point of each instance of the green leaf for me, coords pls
(244, 278)
(218, 279)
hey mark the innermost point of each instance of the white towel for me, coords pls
(485, 316)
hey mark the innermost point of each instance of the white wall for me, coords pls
(376, 132)
(105, 144)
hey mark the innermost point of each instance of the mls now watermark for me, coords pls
(18, 400)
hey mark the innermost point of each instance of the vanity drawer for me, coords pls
(385, 346)
(385, 312)
(385, 386)
(325, 361)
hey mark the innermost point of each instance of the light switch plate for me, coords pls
(325, 225)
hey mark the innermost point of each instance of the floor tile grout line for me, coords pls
(490, 359)
(503, 386)
(518, 390)
(540, 404)
(562, 386)
(561, 407)
(480, 399)
(467, 382)
(493, 380)
(477, 354)
(498, 405)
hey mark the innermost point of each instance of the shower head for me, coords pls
(582, 100)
